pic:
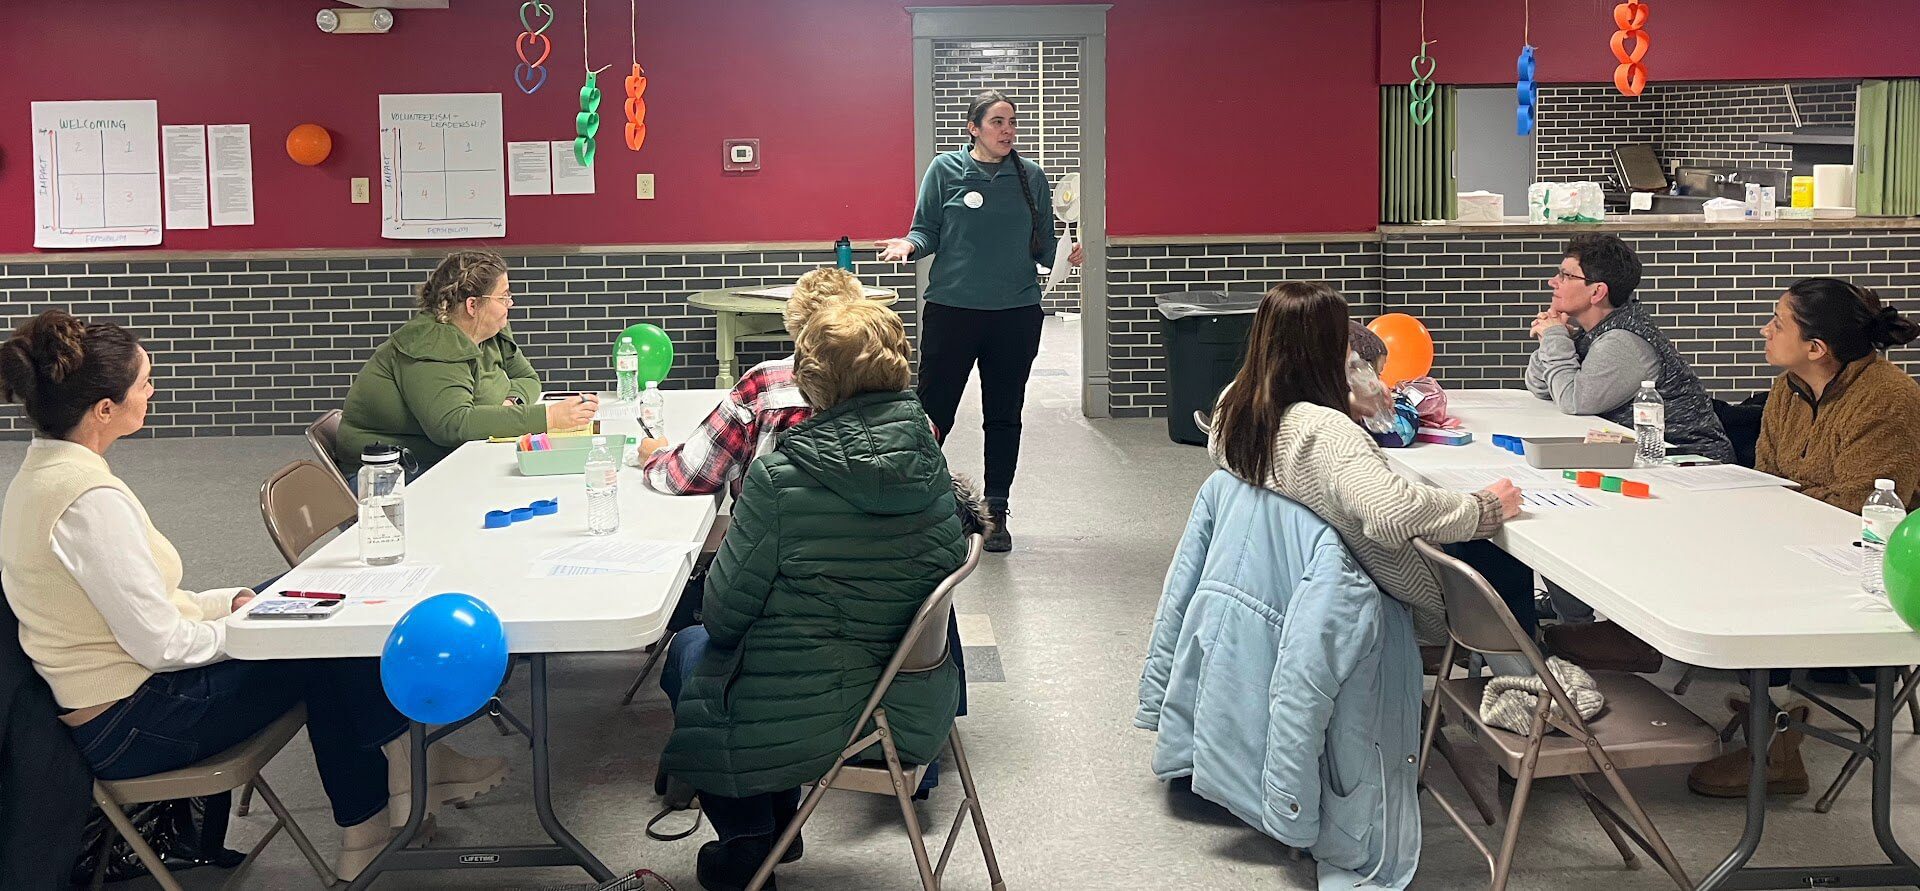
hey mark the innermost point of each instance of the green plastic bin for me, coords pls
(568, 455)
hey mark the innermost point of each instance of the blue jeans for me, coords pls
(180, 717)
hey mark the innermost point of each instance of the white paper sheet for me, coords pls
(569, 177)
(361, 583)
(615, 554)
(230, 162)
(184, 162)
(529, 168)
(785, 292)
(1707, 478)
(442, 166)
(1843, 559)
(1473, 479)
(96, 174)
(1548, 500)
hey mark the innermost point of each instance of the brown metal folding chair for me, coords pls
(224, 772)
(301, 503)
(1641, 726)
(323, 436)
(924, 648)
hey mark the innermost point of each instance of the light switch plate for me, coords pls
(740, 155)
(643, 186)
(362, 190)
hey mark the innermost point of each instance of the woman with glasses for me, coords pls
(453, 374)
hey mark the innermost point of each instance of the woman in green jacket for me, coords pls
(838, 537)
(453, 374)
(985, 215)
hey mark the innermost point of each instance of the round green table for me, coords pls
(743, 318)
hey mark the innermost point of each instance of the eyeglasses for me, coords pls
(1563, 276)
(503, 298)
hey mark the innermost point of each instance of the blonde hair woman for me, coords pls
(763, 405)
(452, 375)
(839, 535)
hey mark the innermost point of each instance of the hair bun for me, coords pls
(1890, 328)
(55, 343)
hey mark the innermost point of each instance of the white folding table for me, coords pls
(1708, 579)
(579, 614)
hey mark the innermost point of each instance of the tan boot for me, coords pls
(452, 778)
(1727, 775)
(360, 844)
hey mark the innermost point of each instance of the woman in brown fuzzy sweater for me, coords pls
(1841, 415)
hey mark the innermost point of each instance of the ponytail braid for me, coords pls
(1034, 241)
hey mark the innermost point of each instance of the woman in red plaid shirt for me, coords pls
(763, 405)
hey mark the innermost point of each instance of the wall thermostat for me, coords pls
(741, 155)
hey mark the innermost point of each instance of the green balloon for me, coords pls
(656, 351)
(1902, 571)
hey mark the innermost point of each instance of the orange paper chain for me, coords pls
(1631, 18)
(636, 108)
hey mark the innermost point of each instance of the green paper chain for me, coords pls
(1421, 88)
(586, 124)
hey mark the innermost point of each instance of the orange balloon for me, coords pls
(1409, 347)
(309, 144)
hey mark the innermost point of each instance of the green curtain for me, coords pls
(1887, 149)
(1416, 161)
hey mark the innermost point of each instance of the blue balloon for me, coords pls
(444, 659)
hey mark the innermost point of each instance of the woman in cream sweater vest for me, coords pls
(1283, 424)
(135, 662)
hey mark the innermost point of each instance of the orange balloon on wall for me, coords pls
(1409, 347)
(309, 144)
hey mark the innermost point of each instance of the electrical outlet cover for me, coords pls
(643, 186)
(362, 190)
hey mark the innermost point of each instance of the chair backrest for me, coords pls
(323, 436)
(1742, 423)
(302, 502)
(1476, 616)
(1203, 420)
(925, 645)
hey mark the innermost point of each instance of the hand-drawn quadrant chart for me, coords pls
(96, 174)
(442, 166)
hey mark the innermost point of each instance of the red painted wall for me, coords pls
(1207, 100)
(1691, 39)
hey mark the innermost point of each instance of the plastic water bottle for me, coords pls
(653, 409)
(1881, 515)
(383, 510)
(1650, 426)
(626, 367)
(603, 488)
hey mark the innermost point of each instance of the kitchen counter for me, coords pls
(1647, 222)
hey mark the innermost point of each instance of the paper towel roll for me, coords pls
(1833, 185)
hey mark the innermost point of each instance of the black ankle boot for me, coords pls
(730, 865)
(999, 539)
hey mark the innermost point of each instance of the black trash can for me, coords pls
(1205, 333)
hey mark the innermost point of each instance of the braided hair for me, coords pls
(976, 113)
(461, 275)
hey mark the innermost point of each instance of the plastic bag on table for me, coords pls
(1429, 401)
(1370, 400)
(1406, 424)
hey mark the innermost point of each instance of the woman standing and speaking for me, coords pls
(985, 215)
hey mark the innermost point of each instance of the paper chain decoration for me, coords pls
(586, 124)
(524, 74)
(636, 108)
(1631, 17)
(1421, 88)
(1529, 93)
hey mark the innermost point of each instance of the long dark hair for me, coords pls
(976, 113)
(1850, 319)
(59, 367)
(1297, 352)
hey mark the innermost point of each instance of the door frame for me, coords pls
(1086, 23)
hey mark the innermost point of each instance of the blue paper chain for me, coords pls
(1528, 93)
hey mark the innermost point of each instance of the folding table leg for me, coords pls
(543, 780)
(1759, 740)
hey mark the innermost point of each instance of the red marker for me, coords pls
(314, 595)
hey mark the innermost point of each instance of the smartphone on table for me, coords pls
(294, 607)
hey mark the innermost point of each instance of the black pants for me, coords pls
(1003, 343)
(1510, 578)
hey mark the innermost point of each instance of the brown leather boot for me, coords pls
(1726, 776)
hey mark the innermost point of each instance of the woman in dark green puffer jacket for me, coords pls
(838, 538)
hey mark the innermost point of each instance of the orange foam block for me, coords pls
(1589, 479)
(1633, 489)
